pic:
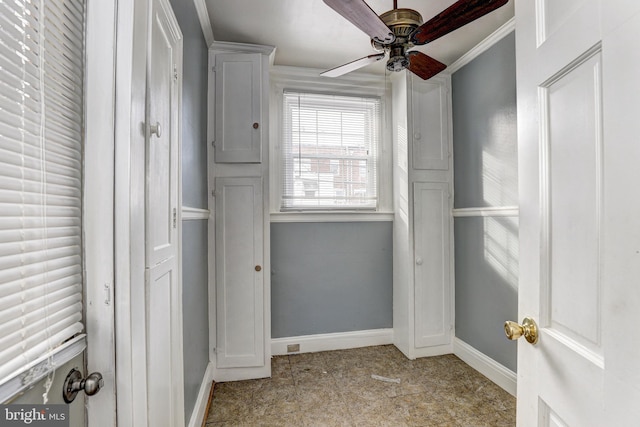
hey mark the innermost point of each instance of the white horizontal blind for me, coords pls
(330, 152)
(41, 110)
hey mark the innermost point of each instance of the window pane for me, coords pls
(329, 151)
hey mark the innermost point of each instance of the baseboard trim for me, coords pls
(436, 350)
(202, 401)
(335, 341)
(496, 372)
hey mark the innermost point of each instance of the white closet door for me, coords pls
(238, 124)
(239, 273)
(165, 386)
(432, 297)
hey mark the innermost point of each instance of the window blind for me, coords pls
(329, 151)
(41, 128)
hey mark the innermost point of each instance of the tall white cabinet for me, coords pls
(422, 252)
(239, 297)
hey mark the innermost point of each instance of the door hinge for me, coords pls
(175, 218)
(107, 294)
(213, 193)
(175, 73)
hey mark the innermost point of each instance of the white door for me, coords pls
(578, 73)
(239, 275)
(165, 388)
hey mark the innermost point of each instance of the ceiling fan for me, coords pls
(396, 31)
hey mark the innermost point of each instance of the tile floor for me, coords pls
(335, 388)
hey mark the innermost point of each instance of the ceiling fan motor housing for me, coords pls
(402, 22)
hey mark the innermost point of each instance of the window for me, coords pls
(41, 128)
(330, 152)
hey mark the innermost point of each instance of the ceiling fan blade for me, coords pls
(362, 16)
(424, 66)
(455, 16)
(353, 65)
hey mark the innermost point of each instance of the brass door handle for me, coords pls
(529, 329)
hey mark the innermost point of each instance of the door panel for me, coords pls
(162, 153)
(161, 283)
(238, 127)
(430, 130)
(572, 125)
(431, 231)
(239, 273)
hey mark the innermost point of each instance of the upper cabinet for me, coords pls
(430, 130)
(238, 116)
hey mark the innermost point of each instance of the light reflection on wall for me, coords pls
(501, 247)
(499, 168)
(401, 178)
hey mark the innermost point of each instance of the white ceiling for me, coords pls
(307, 33)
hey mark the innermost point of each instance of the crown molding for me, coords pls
(205, 22)
(483, 46)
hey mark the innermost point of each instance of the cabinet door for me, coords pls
(238, 124)
(239, 273)
(430, 129)
(432, 270)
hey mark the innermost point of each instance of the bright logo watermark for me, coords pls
(34, 415)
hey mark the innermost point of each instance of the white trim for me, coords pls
(331, 217)
(229, 47)
(496, 372)
(198, 414)
(353, 81)
(131, 373)
(98, 207)
(436, 350)
(335, 341)
(205, 22)
(483, 46)
(482, 212)
(191, 214)
(42, 366)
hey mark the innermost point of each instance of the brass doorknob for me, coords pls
(529, 329)
(258, 268)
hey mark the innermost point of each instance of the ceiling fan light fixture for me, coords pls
(397, 59)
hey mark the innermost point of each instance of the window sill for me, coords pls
(352, 216)
(41, 367)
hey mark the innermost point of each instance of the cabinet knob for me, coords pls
(417, 135)
(258, 268)
(156, 129)
(419, 261)
(256, 125)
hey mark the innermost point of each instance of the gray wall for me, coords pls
(330, 277)
(484, 129)
(485, 167)
(194, 194)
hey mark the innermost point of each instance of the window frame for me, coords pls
(304, 80)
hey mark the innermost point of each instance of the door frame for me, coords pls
(98, 218)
